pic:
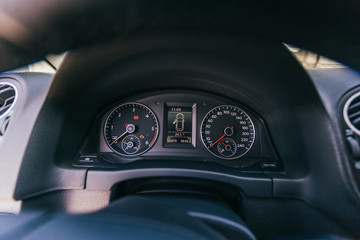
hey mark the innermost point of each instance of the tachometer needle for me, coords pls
(118, 138)
(217, 140)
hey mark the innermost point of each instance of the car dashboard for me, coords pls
(236, 117)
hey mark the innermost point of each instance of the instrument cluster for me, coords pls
(180, 126)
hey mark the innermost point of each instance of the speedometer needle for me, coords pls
(118, 138)
(217, 140)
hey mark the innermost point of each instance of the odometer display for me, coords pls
(131, 129)
(227, 132)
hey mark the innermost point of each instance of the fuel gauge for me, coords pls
(227, 147)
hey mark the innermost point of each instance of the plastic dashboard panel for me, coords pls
(260, 157)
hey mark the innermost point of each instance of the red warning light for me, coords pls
(136, 117)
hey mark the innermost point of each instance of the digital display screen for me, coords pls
(179, 125)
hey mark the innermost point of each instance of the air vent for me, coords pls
(7, 98)
(352, 113)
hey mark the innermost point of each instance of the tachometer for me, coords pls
(227, 132)
(131, 129)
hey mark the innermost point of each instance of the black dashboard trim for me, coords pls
(253, 185)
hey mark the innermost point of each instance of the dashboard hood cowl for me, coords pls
(29, 29)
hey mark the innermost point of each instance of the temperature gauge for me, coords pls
(131, 144)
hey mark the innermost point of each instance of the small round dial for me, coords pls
(131, 144)
(131, 129)
(227, 132)
(227, 147)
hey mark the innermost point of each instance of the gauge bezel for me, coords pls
(107, 119)
(218, 156)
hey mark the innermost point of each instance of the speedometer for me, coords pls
(227, 132)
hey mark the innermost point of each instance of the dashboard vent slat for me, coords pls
(353, 116)
(354, 107)
(356, 122)
(7, 97)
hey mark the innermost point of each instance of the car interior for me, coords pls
(179, 119)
